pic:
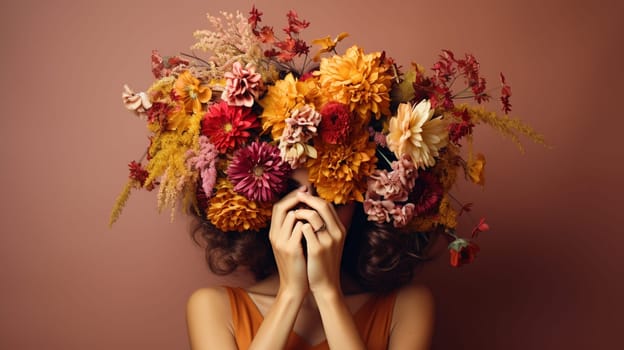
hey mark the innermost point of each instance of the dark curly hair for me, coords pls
(379, 257)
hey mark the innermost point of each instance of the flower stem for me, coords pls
(384, 157)
(195, 57)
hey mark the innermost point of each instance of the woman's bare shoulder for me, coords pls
(209, 319)
(209, 297)
(413, 317)
(414, 295)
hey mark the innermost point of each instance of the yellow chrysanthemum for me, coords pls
(282, 98)
(340, 171)
(415, 133)
(230, 211)
(360, 81)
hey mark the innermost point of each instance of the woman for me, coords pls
(314, 301)
(374, 151)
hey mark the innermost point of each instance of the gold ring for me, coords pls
(322, 228)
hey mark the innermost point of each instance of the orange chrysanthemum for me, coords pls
(193, 94)
(361, 81)
(340, 171)
(282, 98)
(230, 211)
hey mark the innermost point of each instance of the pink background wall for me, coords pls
(549, 275)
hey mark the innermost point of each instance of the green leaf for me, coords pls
(458, 244)
(404, 91)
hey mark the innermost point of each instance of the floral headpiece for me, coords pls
(227, 130)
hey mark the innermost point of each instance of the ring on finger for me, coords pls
(322, 228)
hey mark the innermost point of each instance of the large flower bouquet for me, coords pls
(229, 128)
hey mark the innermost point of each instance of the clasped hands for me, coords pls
(302, 215)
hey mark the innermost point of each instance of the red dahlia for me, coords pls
(335, 123)
(228, 127)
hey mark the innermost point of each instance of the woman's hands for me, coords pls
(298, 215)
(325, 235)
(285, 236)
(319, 223)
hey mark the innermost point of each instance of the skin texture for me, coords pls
(307, 296)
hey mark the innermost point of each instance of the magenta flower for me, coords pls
(258, 172)
(427, 194)
(242, 85)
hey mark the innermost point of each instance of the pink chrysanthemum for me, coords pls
(387, 193)
(300, 127)
(383, 211)
(229, 126)
(405, 170)
(402, 215)
(258, 172)
(387, 185)
(335, 125)
(378, 210)
(427, 194)
(242, 85)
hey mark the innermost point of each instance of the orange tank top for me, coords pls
(373, 321)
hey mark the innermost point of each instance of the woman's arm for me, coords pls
(285, 236)
(338, 323)
(325, 235)
(412, 319)
(278, 322)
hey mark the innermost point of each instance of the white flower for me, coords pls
(416, 133)
(138, 103)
